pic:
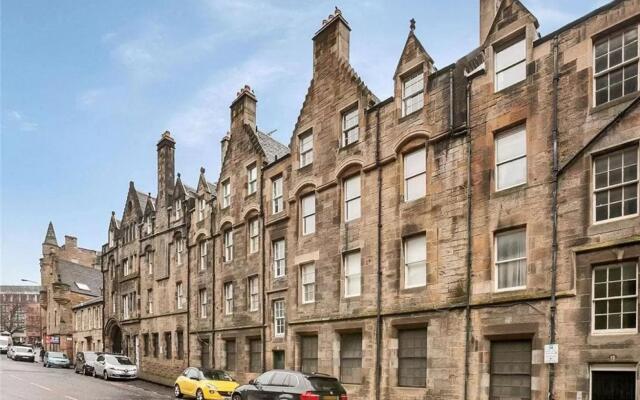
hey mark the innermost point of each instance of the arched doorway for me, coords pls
(113, 337)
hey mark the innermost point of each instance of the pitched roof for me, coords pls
(76, 276)
(50, 237)
(88, 303)
(142, 199)
(273, 150)
(212, 186)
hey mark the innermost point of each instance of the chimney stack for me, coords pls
(70, 242)
(243, 108)
(166, 168)
(331, 40)
(224, 145)
(488, 10)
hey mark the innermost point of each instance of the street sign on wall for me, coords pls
(53, 339)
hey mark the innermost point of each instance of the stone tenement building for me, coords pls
(87, 325)
(70, 275)
(20, 312)
(428, 245)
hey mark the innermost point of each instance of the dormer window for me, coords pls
(616, 65)
(306, 149)
(202, 206)
(226, 194)
(111, 238)
(350, 126)
(412, 93)
(252, 179)
(510, 64)
(148, 224)
(178, 209)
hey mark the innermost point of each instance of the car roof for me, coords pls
(305, 374)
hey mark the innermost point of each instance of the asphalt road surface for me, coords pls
(30, 381)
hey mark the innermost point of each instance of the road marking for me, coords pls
(70, 398)
(41, 387)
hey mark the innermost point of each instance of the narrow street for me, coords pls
(23, 380)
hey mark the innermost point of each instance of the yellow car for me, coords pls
(205, 384)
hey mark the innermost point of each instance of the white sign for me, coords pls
(578, 395)
(550, 353)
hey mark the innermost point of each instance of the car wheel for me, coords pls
(199, 395)
(177, 392)
(94, 373)
(236, 396)
(84, 371)
(105, 376)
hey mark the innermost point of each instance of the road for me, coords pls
(24, 380)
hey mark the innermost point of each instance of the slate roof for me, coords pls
(142, 199)
(70, 273)
(50, 238)
(88, 303)
(19, 289)
(273, 150)
(189, 190)
(212, 187)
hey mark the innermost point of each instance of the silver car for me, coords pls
(21, 353)
(56, 359)
(112, 366)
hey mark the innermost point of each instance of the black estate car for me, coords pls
(295, 385)
(84, 362)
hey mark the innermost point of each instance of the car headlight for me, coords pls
(211, 387)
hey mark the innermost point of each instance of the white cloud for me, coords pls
(23, 124)
(89, 98)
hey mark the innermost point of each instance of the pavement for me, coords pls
(24, 380)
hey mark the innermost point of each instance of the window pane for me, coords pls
(352, 187)
(510, 55)
(511, 75)
(413, 85)
(415, 249)
(511, 245)
(416, 187)
(415, 163)
(512, 173)
(511, 144)
(308, 205)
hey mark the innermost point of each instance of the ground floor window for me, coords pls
(613, 382)
(511, 370)
(155, 344)
(145, 344)
(204, 353)
(167, 345)
(255, 355)
(309, 353)
(230, 353)
(278, 359)
(351, 358)
(412, 357)
(180, 344)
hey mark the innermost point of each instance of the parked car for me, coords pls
(5, 343)
(18, 352)
(204, 383)
(277, 384)
(112, 366)
(84, 362)
(56, 359)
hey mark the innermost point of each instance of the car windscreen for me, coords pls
(216, 375)
(23, 349)
(90, 356)
(55, 354)
(122, 360)
(325, 384)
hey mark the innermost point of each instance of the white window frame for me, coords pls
(277, 198)
(252, 179)
(149, 225)
(308, 283)
(518, 130)
(204, 302)
(407, 266)
(351, 274)
(150, 301)
(126, 269)
(125, 306)
(621, 331)
(516, 64)
(228, 298)
(349, 126)
(254, 293)
(254, 235)
(496, 236)
(306, 148)
(408, 81)
(308, 221)
(179, 295)
(279, 318)
(353, 199)
(619, 185)
(279, 258)
(202, 251)
(179, 250)
(149, 257)
(418, 175)
(226, 193)
(620, 66)
(227, 242)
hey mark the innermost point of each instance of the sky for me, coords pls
(88, 87)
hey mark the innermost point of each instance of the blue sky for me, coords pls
(87, 87)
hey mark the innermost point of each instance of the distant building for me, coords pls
(20, 312)
(87, 325)
(70, 275)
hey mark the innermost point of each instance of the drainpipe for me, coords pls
(263, 278)
(451, 100)
(188, 228)
(468, 254)
(554, 213)
(212, 343)
(378, 371)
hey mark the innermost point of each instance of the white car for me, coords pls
(112, 366)
(18, 352)
(5, 343)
